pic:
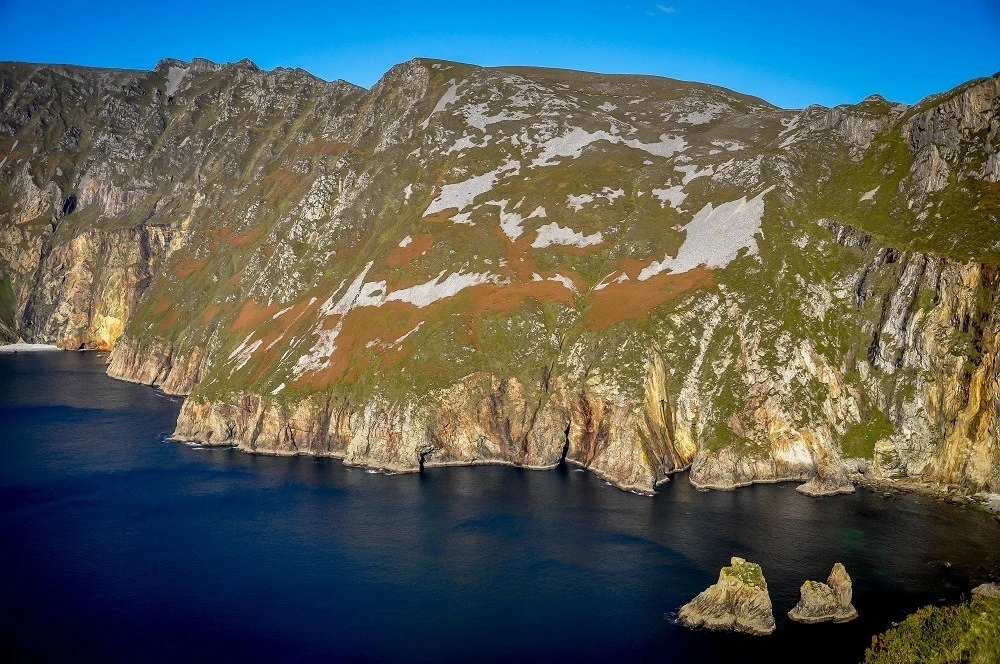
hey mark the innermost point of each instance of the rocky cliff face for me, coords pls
(520, 266)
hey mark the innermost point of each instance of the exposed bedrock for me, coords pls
(479, 421)
(826, 602)
(161, 364)
(739, 601)
(81, 293)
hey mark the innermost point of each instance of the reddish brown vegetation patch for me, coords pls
(486, 299)
(520, 258)
(169, 320)
(283, 185)
(161, 304)
(405, 255)
(184, 265)
(360, 326)
(441, 215)
(209, 313)
(223, 236)
(631, 300)
(296, 311)
(251, 315)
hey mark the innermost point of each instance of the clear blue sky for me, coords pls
(790, 53)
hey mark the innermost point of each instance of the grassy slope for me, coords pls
(968, 633)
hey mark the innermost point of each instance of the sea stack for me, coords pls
(739, 601)
(826, 602)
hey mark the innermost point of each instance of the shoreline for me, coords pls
(14, 349)
(984, 501)
(989, 503)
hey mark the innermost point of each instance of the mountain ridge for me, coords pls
(513, 68)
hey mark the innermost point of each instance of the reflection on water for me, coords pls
(123, 546)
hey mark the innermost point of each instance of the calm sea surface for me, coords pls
(118, 545)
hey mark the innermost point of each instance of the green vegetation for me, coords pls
(750, 574)
(860, 439)
(965, 634)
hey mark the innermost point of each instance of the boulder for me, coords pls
(739, 601)
(825, 602)
(988, 590)
(827, 482)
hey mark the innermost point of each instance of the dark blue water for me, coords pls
(117, 545)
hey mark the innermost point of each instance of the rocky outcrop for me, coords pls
(739, 602)
(77, 290)
(987, 590)
(730, 469)
(826, 602)
(940, 307)
(161, 364)
(939, 132)
(947, 122)
(931, 367)
(85, 291)
(827, 483)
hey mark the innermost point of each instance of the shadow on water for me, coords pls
(120, 545)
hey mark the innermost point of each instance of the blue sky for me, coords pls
(790, 53)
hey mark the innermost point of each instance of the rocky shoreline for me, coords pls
(175, 381)
(142, 367)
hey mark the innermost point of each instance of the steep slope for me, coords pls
(469, 265)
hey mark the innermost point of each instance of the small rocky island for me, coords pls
(827, 482)
(739, 601)
(826, 602)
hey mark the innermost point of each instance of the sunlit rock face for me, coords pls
(826, 602)
(467, 265)
(739, 601)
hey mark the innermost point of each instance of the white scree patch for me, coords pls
(673, 195)
(715, 236)
(460, 195)
(555, 234)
